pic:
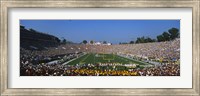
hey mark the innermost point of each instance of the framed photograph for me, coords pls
(99, 47)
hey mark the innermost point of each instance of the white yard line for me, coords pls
(85, 58)
(73, 59)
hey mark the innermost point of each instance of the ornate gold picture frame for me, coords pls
(7, 4)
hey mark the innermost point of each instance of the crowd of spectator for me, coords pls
(36, 62)
(88, 70)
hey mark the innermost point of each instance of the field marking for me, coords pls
(94, 58)
(113, 57)
(72, 60)
(136, 60)
(82, 61)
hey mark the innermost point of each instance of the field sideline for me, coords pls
(92, 58)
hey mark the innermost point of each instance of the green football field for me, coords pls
(92, 58)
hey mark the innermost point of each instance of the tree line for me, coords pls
(91, 42)
(172, 34)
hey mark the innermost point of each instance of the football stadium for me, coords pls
(42, 54)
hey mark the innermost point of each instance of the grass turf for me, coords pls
(92, 58)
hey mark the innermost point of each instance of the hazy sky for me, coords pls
(113, 31)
